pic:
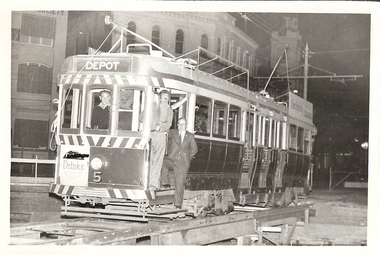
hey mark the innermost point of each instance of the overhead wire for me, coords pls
(245, 17)
(265, 22)
(268, 29)
(340, 51)
(315, 61)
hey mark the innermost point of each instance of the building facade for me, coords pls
(87, 29)
(291, 64)
(182, 32)
(38, 50)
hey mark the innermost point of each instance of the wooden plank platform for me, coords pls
(184, 231)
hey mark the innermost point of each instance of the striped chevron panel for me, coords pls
(101, 141)
(66, 190)
(120, 79)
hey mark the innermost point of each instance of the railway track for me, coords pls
(274, 226)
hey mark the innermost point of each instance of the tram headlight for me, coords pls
(97, 163)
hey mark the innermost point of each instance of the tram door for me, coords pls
(179, 105)
(251, 153)
(265, 135)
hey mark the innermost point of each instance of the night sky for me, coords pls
(340, 44)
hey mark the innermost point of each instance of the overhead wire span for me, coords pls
(267, 30)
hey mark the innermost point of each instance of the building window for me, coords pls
(232, 52)
(156, 36)
(245, 60)
(238, 55)
(204, 41)
(37, 30)
(179, 38)
(30, 133)
(15, 34)
(250, 64)
(218, 47)
(227, 50)
(130, 37)
(34, 78)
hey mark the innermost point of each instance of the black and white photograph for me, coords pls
(224, 126)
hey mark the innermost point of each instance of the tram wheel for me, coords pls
(219, 212)
(290, 196)
(202, 214)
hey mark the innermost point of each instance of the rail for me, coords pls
(34, 161)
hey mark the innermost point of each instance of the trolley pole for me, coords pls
(306, 71)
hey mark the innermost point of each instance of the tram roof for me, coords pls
(200, 60)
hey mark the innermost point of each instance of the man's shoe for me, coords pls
(165, 186)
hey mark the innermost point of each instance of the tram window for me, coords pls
(266, 131)
(284, 136)
(259, 120)
(272, 134)
(202, 124)
(70, 117)
(250, 131)
(130, 106)
(300, 139)
(234, 123)
(219, 119)
(307, 141)
(98, 109)
(179, 106)
(278, 134)
(293, 137)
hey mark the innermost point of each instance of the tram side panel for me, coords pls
(216, 166)
(258, 166)
(123, 168)
(296, 172)
(272, 169)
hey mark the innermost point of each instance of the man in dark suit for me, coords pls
(181, 149)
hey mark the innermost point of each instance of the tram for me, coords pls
(252, 149)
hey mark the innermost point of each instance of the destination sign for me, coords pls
(103, 65)
(300, 108)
